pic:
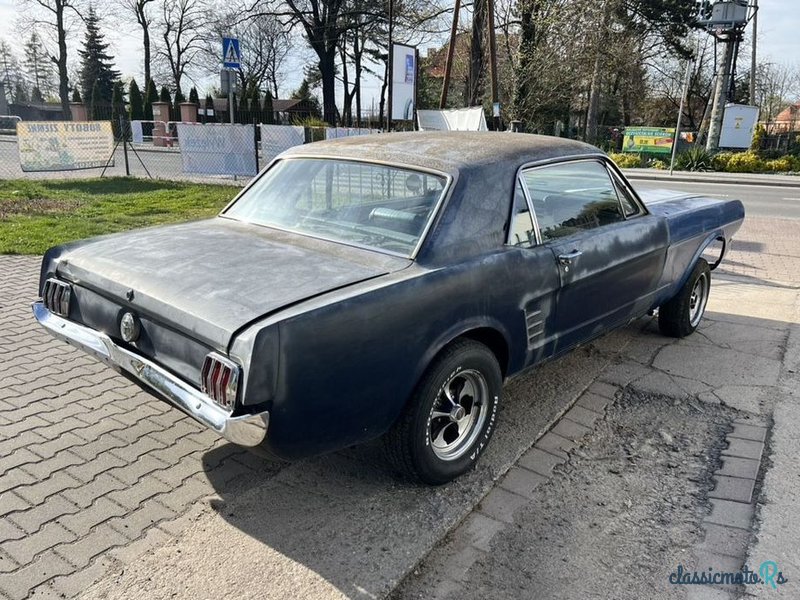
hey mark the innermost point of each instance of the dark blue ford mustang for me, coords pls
(385, 285)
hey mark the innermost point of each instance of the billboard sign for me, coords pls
(217, 149)
(64, 145)
(404, 82)
(653, 140)
(456, 119)
(738, 126)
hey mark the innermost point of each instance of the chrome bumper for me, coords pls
(248, 430)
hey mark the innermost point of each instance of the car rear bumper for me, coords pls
(247, 430)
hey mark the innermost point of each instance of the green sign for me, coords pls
(653, 140)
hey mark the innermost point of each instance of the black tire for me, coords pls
(681, 315)
(467, 370)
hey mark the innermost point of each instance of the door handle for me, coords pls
(568, 257)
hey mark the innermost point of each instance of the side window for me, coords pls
(521, 231)
(629, 206)
(572, 197)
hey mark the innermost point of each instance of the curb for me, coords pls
(705, 179)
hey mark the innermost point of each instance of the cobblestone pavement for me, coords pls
(94, 472)
(766, 249)
(89, 465)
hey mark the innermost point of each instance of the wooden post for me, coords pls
(448, 66)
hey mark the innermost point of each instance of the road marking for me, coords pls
(791, 198)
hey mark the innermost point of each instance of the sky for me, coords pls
(778, 21)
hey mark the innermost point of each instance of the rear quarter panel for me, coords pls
(346, 368)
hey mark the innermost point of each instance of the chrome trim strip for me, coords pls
(247, 430)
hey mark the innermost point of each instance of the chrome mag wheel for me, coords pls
(698, 299)
(458, 414)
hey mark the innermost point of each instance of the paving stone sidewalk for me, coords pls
(89, 465)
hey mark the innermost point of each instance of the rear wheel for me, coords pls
(681, 315)
(450, 417)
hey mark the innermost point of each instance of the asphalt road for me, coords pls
(759, 200)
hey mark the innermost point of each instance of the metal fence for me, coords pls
(211, 152)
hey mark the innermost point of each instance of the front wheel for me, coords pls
(450, 417)
(681, 315)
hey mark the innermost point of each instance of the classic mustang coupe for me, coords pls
(386, 285)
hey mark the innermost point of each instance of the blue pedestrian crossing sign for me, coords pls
(230, 53)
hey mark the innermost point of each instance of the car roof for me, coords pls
(447, 151)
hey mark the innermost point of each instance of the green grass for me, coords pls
(35, 215)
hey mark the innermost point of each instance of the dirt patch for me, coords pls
(35, 206)
(617, 518)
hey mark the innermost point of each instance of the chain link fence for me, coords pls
(173, 150)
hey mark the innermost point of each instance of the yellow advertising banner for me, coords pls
(64, 145)
(655, 140)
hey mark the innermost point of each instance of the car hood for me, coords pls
(211, 278)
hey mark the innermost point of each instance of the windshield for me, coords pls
(378, 206)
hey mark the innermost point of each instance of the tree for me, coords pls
(38, 65)
(21, 93)
(118, 107)
(165, 95)
(10, 73)
(183, 30)
(209, 106)
(139, 9)
(255, 99)
(76, 95)
(150, 96)
(97, 75)
(194, 98)
(57, 16)
(269, 111)
(136, 101)
(176, 106)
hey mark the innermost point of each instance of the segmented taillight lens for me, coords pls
(220, 380)
(56, 295)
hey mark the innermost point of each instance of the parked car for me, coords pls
(386, 285)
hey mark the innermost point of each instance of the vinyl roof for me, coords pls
(447, 151)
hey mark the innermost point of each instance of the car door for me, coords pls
(609, 251)
(534, 282)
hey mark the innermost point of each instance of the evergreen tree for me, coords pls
(117, 108)
(255, 99)
(96, 105)
(194, 97)
(39, 67)
(76, 95)
(269, 112)
(209, 109)
(165, 95)
(20, 93)
(97, 76)
(36, 96)
(136, 102)
(176, 109)
(150, 96)
(9, 67)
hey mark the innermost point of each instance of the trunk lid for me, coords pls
(208, 279)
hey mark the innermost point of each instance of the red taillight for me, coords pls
(220, 380)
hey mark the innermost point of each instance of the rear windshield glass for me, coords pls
(377, 206)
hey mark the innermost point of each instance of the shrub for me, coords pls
(695, 158)
(721, 160)
(626, 161)
(658, 164)
(744, 162)
(784, 164)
